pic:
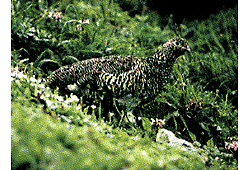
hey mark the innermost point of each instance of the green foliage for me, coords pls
(146, 124)
(61, 137)
(45, 36)
(217, 34)
(210, 143)
(74, 29)
(40, 142)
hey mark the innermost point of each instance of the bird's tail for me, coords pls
(59, 77)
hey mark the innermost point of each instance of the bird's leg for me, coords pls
(119, 115)
(87, 99)
(107, 103)
(84, 99)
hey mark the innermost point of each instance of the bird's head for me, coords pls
(174, 47)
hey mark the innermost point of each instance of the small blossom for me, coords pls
(14, 72)
(49, 103)
(218, 128)
(32, 84)
(51, 14)
(21, 75)
(32, 79)
(58, 15)
(152, 121)
(74, 98)
(235, 144)
(42, 96)
(183, 84)
(79, 27)
(111, 114)
(109, 49)
(41, 86)
(59, 98)
(160, 162)
(144, 153)
(229, 145)
(68, 101)
(93, 106)
(86, 22)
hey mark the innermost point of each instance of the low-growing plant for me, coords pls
(199, 102)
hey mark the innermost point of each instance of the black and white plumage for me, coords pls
(119, 76)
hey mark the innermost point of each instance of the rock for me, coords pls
(165, 136)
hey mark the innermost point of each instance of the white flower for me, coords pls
(111, 114)
(93, 124)
(144, 153)
(32, 84)
(42, 97)
(160, 162)
(109, 49)
(183, 84)
(32, 79)
(21, 75)
(64, 104)
(218, 128)
(49, 103)
(74, 98)
(59, 98)
(51, 14)
(86, 22)
(110, 135)
(98, 128)
(72, 87)
(93, 106)
(41, 86)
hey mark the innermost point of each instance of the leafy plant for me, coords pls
(47, 35)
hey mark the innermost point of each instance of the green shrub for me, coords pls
(199, 102)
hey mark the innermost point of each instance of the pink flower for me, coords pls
(79, 27)
(56, 15)
(229, 145)
(15, 72)
(235, 145)
(158, 122)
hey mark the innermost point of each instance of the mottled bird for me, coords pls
(123, 77)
